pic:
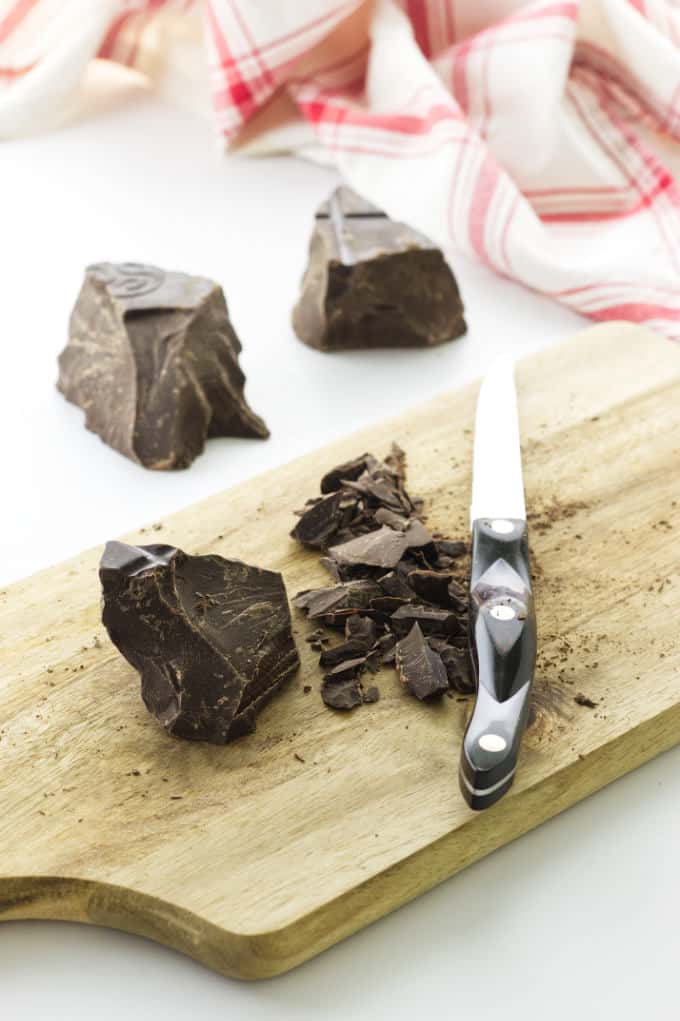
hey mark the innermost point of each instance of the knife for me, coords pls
(502, 628)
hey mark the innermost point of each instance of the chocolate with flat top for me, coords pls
(210, 638)
(373, 282)
(152, 359)
(420, 668)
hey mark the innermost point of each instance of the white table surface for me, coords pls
(577, 919)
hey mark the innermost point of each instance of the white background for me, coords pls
(577, 919)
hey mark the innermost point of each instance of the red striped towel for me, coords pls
(540, 137)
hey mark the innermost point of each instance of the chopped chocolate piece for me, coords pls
(431, 620)
(371, 694)
(361, 629)
(585, 701)
(341, 688)
(342, 694)
(383, 516)
(346, 670)
(387, 645)
(320, 521)
(393, 584)
(348, 596)
(458, 669)
(418, 537)
(432, 586)
(152, 359)
(379, 491)
(350, 650)
(374, 659)
(420, 668)
(387, 604)
(382, 548)
(350, 470)
(211, 638)
(373, 282)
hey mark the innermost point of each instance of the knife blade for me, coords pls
(502, 627)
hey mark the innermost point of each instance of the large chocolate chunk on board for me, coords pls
(373, 282)
(152, 359)
(211, 638)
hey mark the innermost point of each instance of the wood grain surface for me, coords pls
(251, 860)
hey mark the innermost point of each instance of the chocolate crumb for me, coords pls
(585, 701)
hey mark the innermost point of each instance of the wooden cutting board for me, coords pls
(253, 857)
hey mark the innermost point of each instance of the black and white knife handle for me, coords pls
(503, 645)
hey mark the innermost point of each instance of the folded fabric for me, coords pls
(541, 137)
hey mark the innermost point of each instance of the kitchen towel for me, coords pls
(541, 138)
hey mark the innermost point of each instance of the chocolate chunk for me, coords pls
(371, 694)
(431, 620)
(383, 516)
(348, 471)
(374, 659)
(338, 601)
(382, 548)
(432, 586)
(393, 584)
(387, 645)
(152, 359)
(373, 282)
(211, 638)
(341, 688)
(361, 629)
(585, 701)
(342, 694)
(457, 665)
(337, 654)
(320, 521)
(345, 671)
(420, 668)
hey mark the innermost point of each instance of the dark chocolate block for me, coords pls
(373, 282)
(211, 638)
(152, 359)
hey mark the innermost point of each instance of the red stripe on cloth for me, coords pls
(14, 17)
(237, 87)
(115, 28)
(576, 190)
(417, 15)
(301, 31)
(582, 216)
(17, 72)
(635, 312)
(248, 36)
(485, 186)
(320, 111)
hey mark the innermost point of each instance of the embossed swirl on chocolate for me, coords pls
(126, 279)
